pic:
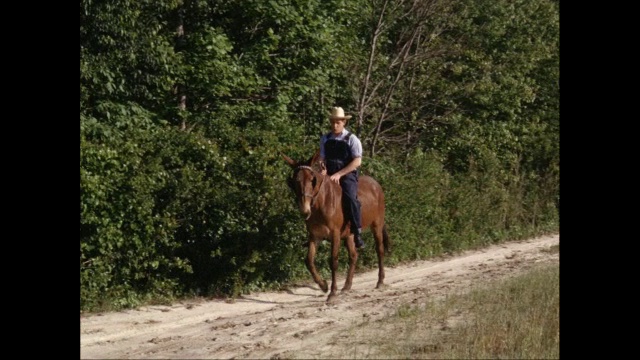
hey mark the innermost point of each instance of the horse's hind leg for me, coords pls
(353, 259)
(311, 265)
(377, 234)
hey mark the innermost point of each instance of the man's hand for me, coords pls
(336, 177)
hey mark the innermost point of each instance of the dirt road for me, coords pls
(295, 323)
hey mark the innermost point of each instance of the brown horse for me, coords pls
(320, 200)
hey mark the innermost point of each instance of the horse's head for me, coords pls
(304, 182)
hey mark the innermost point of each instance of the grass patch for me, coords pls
(518, 318)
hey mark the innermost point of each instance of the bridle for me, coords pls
(312, 196)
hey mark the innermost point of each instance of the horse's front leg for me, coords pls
(311, 265)
(335, 249)
(353, 259)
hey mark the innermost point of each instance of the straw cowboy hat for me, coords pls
(338, 113)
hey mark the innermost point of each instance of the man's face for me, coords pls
(337, 125)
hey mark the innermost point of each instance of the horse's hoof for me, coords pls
(382, 286)
(324, 286)
(346, 290)
(331, 299)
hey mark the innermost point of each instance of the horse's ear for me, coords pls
(290, 161)
(314, 158)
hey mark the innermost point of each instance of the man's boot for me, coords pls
(357, 238)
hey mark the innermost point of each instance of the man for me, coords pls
(341, 155)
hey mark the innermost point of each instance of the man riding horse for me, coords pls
(340, 157)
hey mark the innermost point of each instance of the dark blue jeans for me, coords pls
(350, 203)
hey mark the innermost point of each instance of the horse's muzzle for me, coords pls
(305, 208)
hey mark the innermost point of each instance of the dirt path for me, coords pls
(295, 323)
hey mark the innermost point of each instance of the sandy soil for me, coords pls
(296, 323)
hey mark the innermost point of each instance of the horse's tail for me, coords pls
(386, 240)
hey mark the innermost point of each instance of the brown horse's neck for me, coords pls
(328, 198)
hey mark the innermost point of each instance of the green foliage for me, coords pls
(161, 203)
(126, 52)
(497, 78)
(417, 220)
(430, 211)
(193, 200)
(127, 235)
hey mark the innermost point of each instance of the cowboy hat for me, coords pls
(338, 113)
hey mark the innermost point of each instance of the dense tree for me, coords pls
(187, 105)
